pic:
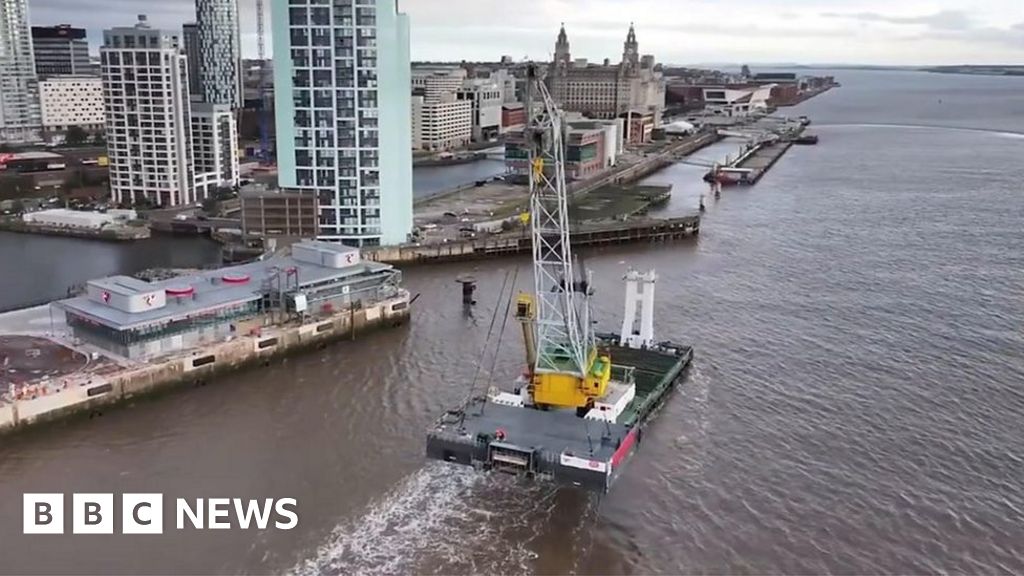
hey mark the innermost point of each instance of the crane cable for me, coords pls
(501, 333)
(487, 340)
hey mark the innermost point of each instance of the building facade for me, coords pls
(60, 50)
(444, 124)
(433, 82)
(214, 148)
(513, 117)
(20, 116)
(342, 102)
(486, 98)
(147, 110)
(441, 118)
(220, 58)
(606, 90)
(277, 214)
(190, 40)
(68, 101)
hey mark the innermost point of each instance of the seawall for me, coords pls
(200, 366)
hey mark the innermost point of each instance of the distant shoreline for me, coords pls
(978, 70)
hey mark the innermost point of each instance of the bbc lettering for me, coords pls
(144, 513)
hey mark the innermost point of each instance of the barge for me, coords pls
(590, 452)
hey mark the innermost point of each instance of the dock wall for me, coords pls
(514, 243)
(117, 234)
(200, 366)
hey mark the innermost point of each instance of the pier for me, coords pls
(759, 159)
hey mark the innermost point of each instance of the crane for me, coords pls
(264, 112)
(566, 370)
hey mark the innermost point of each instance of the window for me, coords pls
(320, 16)
(322, 99)
(300, 57)
(321, 37)
(300, 37)
(297, 16)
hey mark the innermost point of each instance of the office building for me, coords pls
(606, 90)
(432, 82)
(342, 103)
(147, 109)
(220, 59)
(20, 117)
(487, 98)
(278, 214)
(441, 124)
(60, 50)
(214, 148)
(68, 101)
(441, 118)
(190, 39)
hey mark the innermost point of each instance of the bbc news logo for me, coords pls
(144, 513)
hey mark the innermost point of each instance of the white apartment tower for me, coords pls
(342, 94)
(214, 147)
(219, 54)
(146, 104)
(20, 117)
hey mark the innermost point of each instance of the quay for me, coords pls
(114, 225)
(125, 337)
(584, 234)
(120, 234)
(481, 220)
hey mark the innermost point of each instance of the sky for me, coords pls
(878, 32)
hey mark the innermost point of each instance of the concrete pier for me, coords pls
(89, 381)
(760, 160)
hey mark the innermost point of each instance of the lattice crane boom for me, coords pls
(561, 340)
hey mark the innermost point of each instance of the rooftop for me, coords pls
(212, 289)
(35, 155)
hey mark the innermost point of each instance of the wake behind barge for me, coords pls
(497, 435)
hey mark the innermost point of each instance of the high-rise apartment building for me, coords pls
(146, 104)
(60, 50)
(214, 148)
(220, 59)
(342, 94)
(190, 39)
(20, 117)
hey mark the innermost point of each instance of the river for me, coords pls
(854, 405)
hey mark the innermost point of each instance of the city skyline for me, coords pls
(678, 32)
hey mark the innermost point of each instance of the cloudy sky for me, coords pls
(676, 31)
